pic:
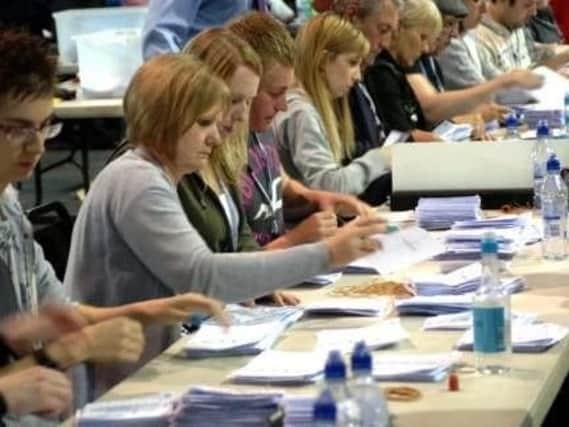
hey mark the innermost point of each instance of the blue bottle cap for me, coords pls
(542, 129)
(511, 121)
(553, 164)
(324, 408)
(361, 358)
(489, 244)
(335, 367)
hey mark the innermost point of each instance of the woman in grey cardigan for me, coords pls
(132, 240)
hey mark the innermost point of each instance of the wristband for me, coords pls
(3, 407)
(6, 353)
(42, 359)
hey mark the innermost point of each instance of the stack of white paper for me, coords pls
(526, 338)
(463, 321)
(383, 334)
(400, 250)
(201, 406)
(460, 281)
(433, 305)
(414, 367)
(298, 410)
(502, 221)
(253, 331)
(324, 279)
(281, 367)
(376, 307)
(438, 213)
(151, 411)
(452, 132)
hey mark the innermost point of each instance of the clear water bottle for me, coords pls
(512, 124)
(366, 392)
(566, 113)
(491, 314)
(324, 411)
(348, 411)
(554, 212)
(540, 154)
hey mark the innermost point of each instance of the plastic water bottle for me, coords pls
(566, 113)
(554, 212)
(348, 411)
(366, 392)
(540, 154)
(304, 10)
(324, 411)
(512, 123)
(491, 314)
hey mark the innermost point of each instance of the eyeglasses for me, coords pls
(21, 135)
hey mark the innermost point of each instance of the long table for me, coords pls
(520, 398)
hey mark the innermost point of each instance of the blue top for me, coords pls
(361, 358)
(171, 23)
(325, 408)
(335, 368)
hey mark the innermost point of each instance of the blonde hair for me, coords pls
(165, 97)
(267, 36)
(322, 38)
(421, 15)
(224, 53)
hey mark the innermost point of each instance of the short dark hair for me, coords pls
(27, 66)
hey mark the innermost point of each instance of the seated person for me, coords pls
(503, 44)
(471, 105)
(420, 24)
(543, 26)
(132, 240)
(27, 85)
(315, 134)
(268, 195)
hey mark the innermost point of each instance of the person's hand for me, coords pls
(341, 204)
(492, 111)
(316, 227)
(353, 240)
(177, 309)
(280, 298)
(36, 390)
(21, 331)
(116, 340)
(524, 79)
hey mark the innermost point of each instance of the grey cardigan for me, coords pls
(132, 241)
(306, 154)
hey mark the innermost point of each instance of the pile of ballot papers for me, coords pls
(252, 331)
(148, 411)
(201, 406)
(298, 410)
(433, 305)
(281, 367)
(439, 213)
(412, 367)
(460, 281)
(375, 307)
(379, 335)
(526, 338)
(463, 321)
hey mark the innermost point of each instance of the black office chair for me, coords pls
(52, 226)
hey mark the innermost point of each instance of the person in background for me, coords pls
(315, 134)
(210, 196)
(543, 26)
(132, 214)
(269, 195)
(171, 23)
(419, 26)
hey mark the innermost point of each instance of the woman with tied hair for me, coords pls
(315, 134)
(420, 24)
(132, 240)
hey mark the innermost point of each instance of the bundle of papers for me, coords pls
(401, 249)
(463, 321)
(433, 305)
(383, 334)
(453, 132)
(526, 338)
(414, 367)
(151, 411)
(323, 279)
(375, 307)
(208, 407)
(298, 411)
(503, 221)
(439, 213)
(460, 281)
(281, 367)
(253, 330)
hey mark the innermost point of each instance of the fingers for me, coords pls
(278, 299)
(64, 318)
(289, 299)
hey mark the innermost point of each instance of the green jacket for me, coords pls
(206, 214)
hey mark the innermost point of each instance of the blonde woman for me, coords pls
(315, 134)
(132, 240)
